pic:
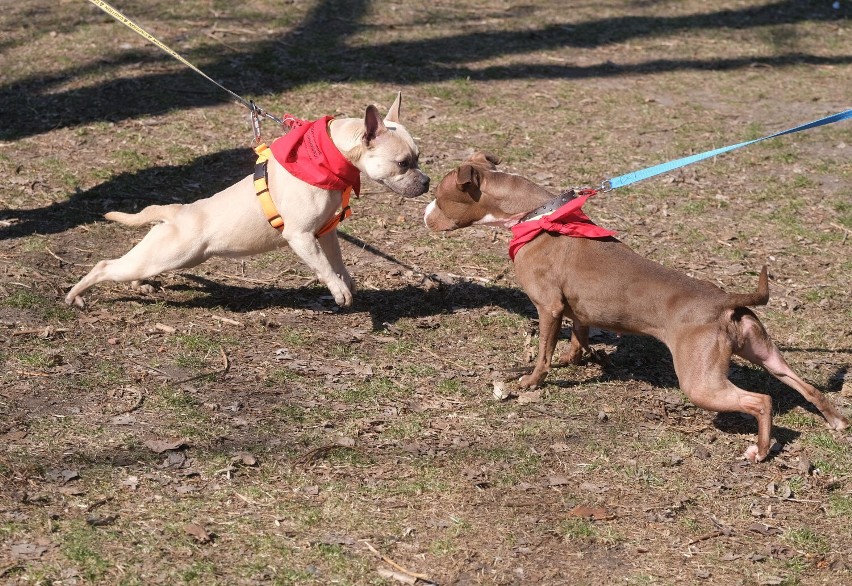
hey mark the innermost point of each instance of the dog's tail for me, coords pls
(155, 213)
(759, 297)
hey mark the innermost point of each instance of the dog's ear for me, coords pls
(485, 159)
(373, 125)
(468, 180)
(393, 113)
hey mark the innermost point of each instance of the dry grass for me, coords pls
(304, 436)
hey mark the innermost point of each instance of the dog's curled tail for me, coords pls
(759, 297)
(155, 213)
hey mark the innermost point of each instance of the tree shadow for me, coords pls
(318, 50)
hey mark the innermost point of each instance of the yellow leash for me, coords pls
(117, 15)
(261, 177)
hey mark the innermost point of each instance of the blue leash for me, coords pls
(635, 176)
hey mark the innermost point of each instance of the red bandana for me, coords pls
(568, 220)
(308, 153)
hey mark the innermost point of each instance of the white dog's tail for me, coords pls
(155, 213)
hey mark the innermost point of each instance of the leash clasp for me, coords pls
(255, 114)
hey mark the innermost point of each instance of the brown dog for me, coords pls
(601, 282)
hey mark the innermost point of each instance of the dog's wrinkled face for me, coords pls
(457, 202)
(389, 154)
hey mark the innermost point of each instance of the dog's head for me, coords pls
(477, 193)
(387, 154)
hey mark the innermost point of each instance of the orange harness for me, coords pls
(261, 187)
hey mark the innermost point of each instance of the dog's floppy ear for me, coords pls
(373, 125)
(393, 113)
(485, 159)
(468, 180)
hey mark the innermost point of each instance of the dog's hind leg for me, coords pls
(757, 347)
(164, 248)
(701, 359)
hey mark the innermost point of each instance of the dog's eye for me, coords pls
(404, 164)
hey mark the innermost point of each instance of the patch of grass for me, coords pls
(806, 539)
(82, 545)
(282, 377)
(380, 387)
(410, 427)
(199, 572)
(798, 419)
(840, 505)
(578, 529)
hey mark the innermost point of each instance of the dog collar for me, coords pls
(550, 206)
(567, 219)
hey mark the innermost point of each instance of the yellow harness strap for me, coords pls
(345, 212)
(261, 188)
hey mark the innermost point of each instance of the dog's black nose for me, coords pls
(425, 181)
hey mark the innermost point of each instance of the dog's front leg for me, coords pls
(308, 248)
(549, 324)
(330, 245)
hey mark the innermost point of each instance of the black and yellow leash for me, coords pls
(261, 175)
(256, 112)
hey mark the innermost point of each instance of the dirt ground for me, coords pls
(230, 425)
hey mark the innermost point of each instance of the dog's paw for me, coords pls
(76, 301)
(530, 381)
(342, 294)
(142, 287)
(752, 454)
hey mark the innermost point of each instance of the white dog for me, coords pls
(309, 170)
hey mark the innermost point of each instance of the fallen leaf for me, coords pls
(197, 532)
(501, 393)
(131, 482)
(527, 397)
(123, 419)
(557, 480)
(160, 446)
(595, 488)
(101, 521)
(14, 436)
(702, 453)
(764, 529)
(27, 551)
(247, 459)
(62, 476)
(586, 512)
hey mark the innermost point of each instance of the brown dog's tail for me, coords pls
(155, 213)
(759, 297)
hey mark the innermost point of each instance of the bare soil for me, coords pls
(230, 425)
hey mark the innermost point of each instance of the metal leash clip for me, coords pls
(255, 114)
